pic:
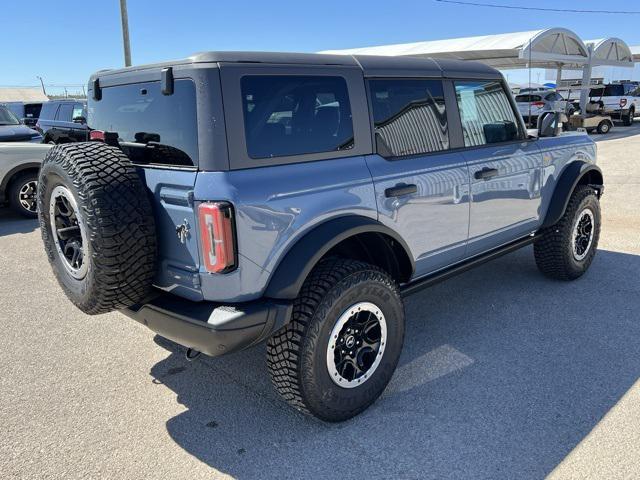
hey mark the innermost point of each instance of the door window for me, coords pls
(486, 113)
(295, 115)
(409, 116)
(64, 112)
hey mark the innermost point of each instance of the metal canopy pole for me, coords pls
(558, 76)
(586, 81)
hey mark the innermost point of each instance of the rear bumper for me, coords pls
(211, 328)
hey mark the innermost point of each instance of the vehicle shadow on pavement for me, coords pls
(503, 373)
(11, 223)
(618, 131)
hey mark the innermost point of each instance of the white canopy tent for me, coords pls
(538, 49)
(550, 48)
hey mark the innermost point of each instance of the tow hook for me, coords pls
(191, 354)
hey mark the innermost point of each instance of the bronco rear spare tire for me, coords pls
(97, 226)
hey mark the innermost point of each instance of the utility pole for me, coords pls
(125, 32)
(42, 83)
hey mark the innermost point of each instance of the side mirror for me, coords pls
(79, 120)
(532, 133)
(550, 124)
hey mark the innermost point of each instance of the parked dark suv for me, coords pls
(63, 121)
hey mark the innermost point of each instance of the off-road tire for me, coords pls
(553, 249)
(296, 354)
(118, 218)
(14, 193)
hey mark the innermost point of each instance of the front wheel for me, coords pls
(627, 120)
(23, 195)
(604, 127)
(340, 349)
(565, 250)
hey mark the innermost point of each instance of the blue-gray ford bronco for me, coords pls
(235, 197)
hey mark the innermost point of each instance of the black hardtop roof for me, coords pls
(370, 64)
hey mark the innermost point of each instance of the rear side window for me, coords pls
(294, 115)
(151, 128)
(64, 112)
(486, 113)
(48, 111)
(409, 115)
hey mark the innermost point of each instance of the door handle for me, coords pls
(400, 190)
(486, 173)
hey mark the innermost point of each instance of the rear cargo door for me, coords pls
(159, 134)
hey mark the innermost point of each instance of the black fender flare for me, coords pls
(566, 184)
(288, 277)
(15, 171)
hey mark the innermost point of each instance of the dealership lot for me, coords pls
(504, 374)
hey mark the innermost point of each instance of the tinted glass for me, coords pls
(409, 116)
(608, 91)
(64, 112)
(7, 118)
(294, 115)
(528, 98)
(32, 110)
(151, 128)
(486, 113)
(78, 111)
(48, 111)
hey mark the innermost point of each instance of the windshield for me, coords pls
(7, 118)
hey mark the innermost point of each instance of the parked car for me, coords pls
(231, 198)
(620, 100)
(531, 105)
(63, 121)
(27, 112)
(12, 130)
(19, 165)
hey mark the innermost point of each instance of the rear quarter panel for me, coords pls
(275, 206)
(557, 153)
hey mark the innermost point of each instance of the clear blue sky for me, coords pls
(65, 41)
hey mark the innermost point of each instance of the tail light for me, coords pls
(623, 102)
(537, 104)
(217, 236)
(96, 135)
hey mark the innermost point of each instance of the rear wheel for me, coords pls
(604, 126)
(627, 120)
(565, 250)
(340, 349)
(97, 226)
(23, 195)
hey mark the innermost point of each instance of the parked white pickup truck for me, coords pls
(19, 166)
(620, 100)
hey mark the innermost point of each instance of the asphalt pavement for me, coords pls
(504, 374)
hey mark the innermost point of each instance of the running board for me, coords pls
(442, 275)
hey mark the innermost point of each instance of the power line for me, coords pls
(541, 9)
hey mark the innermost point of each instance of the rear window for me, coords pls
(288, 115)
(32, 110)
(151, 128)
(608, 91)
(528, 98)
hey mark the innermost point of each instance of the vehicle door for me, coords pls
(78, 131)
(63, 126)
(421, 186)
(504, 166)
